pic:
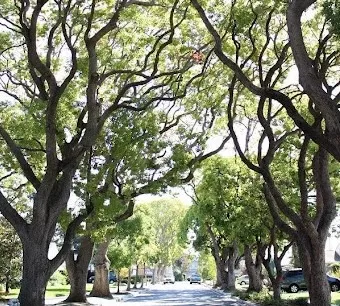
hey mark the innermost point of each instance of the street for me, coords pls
(182, 294)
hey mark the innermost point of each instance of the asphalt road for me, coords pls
(182, 294)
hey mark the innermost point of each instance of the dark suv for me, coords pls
(293, 281)
(91, 276)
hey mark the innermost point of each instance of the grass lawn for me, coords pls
(302, 294)
(51, 291)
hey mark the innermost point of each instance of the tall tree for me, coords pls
(164, 217)
(67, 67)
(278, 33)
(275, 28)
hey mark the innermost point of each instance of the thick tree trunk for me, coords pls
(254, 270)
(77, 263)
(231, 265)
(35, 276)
(223, 274)
(313, 262)
(154, 274)
(220, 256)
(276, 290)
(102, 264)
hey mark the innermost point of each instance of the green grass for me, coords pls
(51, 291)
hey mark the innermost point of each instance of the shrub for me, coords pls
(335, 269)
(263, 298)
(57, 279)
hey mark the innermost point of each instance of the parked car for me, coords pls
(112, 277)
(169, 279)
(195, 279)
(243, 280)
(293, 281)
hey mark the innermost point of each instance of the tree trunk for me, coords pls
(7, 286)
(143, 278)
(295, 256)
(36, 274)
(154, 274)
(220, 256)
(136, 277)
(218, 277)
(231, 266)
(77, 263)
(223, 274)
(102, 264)
(253, 269)
(314, 268)
(118, 281)
(129, 281)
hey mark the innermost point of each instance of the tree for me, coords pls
(224, 198)
(120, 257)
(163, 218)
(67, 68)
(206, 265)
(312, 107)
(11, 255)
(314, 59)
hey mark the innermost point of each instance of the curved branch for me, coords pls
(26, 168)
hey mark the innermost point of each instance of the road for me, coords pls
(182, 294)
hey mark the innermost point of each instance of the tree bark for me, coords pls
(101, 286)
(77, 270)
(232, 256)
(313, 262)
(254, 270)
(296, 258)
(220, 255)
(35, 276)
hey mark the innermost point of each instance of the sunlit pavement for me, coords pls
(178, 294)
(182, 294)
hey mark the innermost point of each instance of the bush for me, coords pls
(335, 269)
(57, 279)
(263, 298)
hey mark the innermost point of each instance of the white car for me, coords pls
(169, 279)
(243, 280)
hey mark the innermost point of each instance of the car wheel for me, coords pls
(242, 283)
(111, 281)
(190, 283)
(334, 287)
(293, 288)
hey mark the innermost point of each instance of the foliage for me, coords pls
(206, 266)
(331, 10)
(264, 298)
(163, 218)
(10, 255)
(58, 278)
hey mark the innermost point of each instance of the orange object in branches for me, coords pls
(197, 57)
